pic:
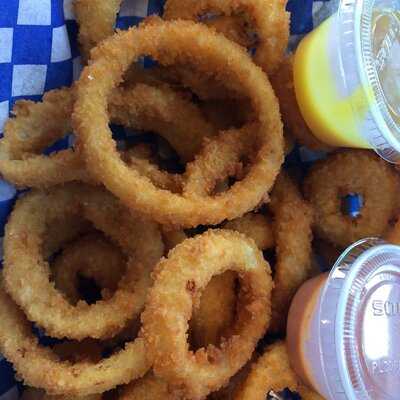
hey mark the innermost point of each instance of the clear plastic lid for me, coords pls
(359, 327)
(369, 33)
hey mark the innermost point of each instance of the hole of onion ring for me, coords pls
(161, 151)
(44, 340)
(190, 232)
(352, 204)
(216, 316)
(270, 256)
(88, 289)
(59, 145)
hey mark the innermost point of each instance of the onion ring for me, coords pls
(270, 21)
(256, 227)
(215, 314)
(352, 171)
(20, 346)
(91, 257)
(393, 234)
(162, 110)
(234, 27)
(220, 159)
(73, 351)
(227, 113)
(37, 394)
(37, 125)
(282, 83)
(293, 236)
(215, 311)
(181, 39)
(272, 371)
(148, 388)
(96, 19)
(134, 158)
(228, 391)
(179, 279)
(26, 271)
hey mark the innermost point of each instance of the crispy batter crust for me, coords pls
(352, 171)
(26, 272)
(293, 219)
(30, 360)
(272, 371)
(269, 19)
(92, 257)
(96, 19)
(166, 42)
(179, 280)
(256, 227)
(37, 125)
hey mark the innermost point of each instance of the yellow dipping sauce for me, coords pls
(347, 77)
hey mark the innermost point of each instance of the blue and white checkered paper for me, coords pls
(39, 52)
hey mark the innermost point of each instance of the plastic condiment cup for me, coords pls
(344, 327)
(347, 77)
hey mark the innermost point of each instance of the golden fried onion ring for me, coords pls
(272, 371)
(352, 171)
(293, 219)
(148, 388)
(26, 272)
(166, 42)
(269, 18)
(37, 125)
(91, 257)
(37, 394)
(40, 367)
(215, 311)
(179, 280)
(96, 19)
(255, 226)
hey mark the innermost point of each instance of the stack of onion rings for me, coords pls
(38, 125)
(179, 280)
(25, 269)
(20, 346)
(187, 326)
(166, 42)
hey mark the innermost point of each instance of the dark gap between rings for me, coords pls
(88, 289)
(163, 153)
(252, 35)
(285, 394)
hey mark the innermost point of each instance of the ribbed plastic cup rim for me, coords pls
(357, 17)
(345, 351)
